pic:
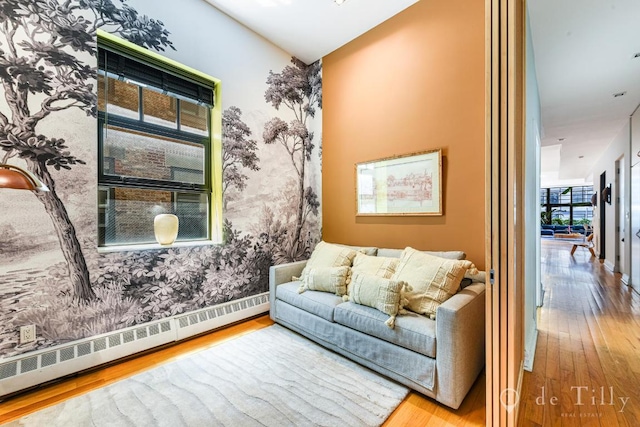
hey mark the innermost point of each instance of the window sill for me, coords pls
(155, 246)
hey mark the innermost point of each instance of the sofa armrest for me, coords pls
(460, 338)
(279, 274)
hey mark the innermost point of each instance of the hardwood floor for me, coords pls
(415, 410)
(588, 350)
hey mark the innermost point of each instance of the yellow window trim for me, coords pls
(108, 39)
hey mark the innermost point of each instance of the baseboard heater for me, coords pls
(25, 371)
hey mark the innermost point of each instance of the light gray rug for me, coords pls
(271, 377)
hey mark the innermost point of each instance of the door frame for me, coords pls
(504, 186)
(619, 262)
(602, 220)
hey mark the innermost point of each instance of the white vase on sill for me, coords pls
(165, 227)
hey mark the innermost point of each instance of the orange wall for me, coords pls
(414, 83)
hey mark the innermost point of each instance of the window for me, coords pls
(155, 146)
(567, 205)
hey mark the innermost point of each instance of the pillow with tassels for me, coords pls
(433, 279)
(326, 279)
(379, 293)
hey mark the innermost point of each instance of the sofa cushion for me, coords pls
(326, 279)
(412, 331)
(397, 253)
(407, 366)
(315, 302)
(375, 265)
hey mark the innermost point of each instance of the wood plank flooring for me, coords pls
(588, 350)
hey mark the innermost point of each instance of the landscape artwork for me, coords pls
(404, 185)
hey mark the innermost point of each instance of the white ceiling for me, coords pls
(584, 53)
(310, 29)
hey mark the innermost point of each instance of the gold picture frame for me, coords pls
(405, 185)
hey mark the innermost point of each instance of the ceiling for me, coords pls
(584, 54)
(311, 29)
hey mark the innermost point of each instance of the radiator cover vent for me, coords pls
(35, 368)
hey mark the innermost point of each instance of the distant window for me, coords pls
(567, 205)
(154, 140)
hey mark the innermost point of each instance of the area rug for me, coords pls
(271, 377)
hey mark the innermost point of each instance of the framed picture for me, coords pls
(403, 185)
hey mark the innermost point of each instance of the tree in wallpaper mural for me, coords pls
(238, 151)
(299, 89)
(47, 49)
(41, 75)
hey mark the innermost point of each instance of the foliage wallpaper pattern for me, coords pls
(51, 273)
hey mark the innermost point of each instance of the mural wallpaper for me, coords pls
(51, 273)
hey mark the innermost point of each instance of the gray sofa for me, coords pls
(439, 358)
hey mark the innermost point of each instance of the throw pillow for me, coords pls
(379, 293)
(477, 276)
(397, 253)
(367, 250)
(326, 279)
(375, 265)
(330, 255)
(433, 280)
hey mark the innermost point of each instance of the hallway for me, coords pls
(587, 363)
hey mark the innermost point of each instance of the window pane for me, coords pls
(126, 214)
(565, 195)
(582, 194)
(582, 215)
(159, 109)
(560, 215)
(192, 212)
(194, 118)
(543, 196)
(554, 195)
(138, 155)
(119, 97)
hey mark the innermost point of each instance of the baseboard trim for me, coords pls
(609, 265)
(519, 389)
(530, 351)
(625, 279)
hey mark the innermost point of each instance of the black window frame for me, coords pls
(108, 120)
(549, 205)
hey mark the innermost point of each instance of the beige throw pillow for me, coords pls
(375, 265)
(377, 292)
(326, 255)
(330, 255)
(433, 280)
(367, 250)
(326, 279)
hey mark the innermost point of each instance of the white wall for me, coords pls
(620, 146)
(531, 205)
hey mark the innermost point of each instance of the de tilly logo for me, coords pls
(580, 396)
(585, 395)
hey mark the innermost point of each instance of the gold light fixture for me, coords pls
(20, 179)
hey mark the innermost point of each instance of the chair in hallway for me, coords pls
(588, 243)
